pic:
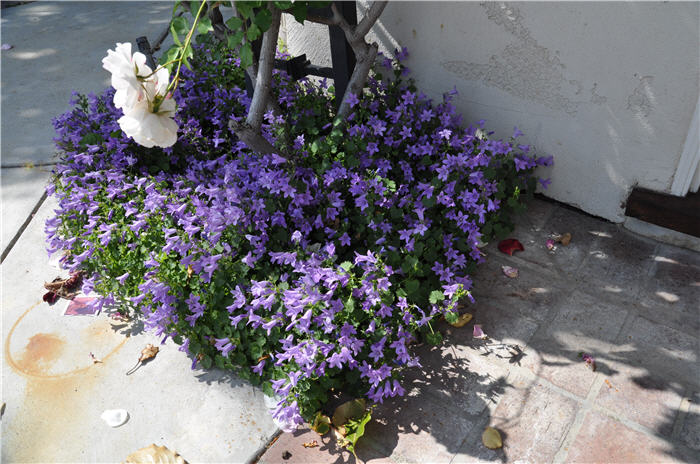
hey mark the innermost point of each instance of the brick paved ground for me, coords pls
(632, 303)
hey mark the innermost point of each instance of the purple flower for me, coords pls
(352, 100)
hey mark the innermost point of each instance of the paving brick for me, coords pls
(529, 295)
(690, 431)
(533, 422)
(649, 400)
(618, 262)
(328, 451)
(417, 428)
(582, 324)
(659, 349)
(675, 283)
(507, 331)
(602, 439)
(565, 260)
(458, 378)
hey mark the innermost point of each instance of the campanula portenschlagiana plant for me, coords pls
(309, 270)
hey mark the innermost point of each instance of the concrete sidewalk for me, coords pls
(631, 303)
(57, 48)
(53, 391)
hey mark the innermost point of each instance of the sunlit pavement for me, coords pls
(629, 302)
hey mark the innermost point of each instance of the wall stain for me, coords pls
(640, 101)
(524, 68)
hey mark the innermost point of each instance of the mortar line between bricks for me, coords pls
(683, 410)
(585, 406)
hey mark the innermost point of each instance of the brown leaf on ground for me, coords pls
(64, 288)
(565, 239)
(312, 444)
(155, 454)
(149, 352)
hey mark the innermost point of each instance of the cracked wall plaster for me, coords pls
(524, 68)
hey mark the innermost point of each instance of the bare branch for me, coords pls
(263, 81)
(253, 138)
(340, 21)
(369, 19)
(358, 78)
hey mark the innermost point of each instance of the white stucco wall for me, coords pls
(609, 89)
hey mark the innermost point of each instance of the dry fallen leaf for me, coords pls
(462, 320)
(155, 455)
(565, 239)
(149, 352)
(491, 438)
(190, 271)
(321, 423)
(352, 409)
(312, 444)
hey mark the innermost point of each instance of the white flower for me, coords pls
(148, 128)
(127, 73)
(141, 94)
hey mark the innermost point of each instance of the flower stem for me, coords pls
(173, 84)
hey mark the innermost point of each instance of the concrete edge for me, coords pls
(661, 234)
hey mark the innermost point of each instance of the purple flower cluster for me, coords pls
(313, 268)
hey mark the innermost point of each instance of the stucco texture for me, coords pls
(609, 89)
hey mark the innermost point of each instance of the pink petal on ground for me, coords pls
(550, 244)
(478, 333)
(6, 47)
(509, 271)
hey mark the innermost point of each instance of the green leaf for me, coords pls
(321, 424)
(355, 429)
(253, 32)
(204, 25)
(180, 25)
(246, 55)
(411, 286)
(353, 409)
(433, 338)
(91, 138)
(451, 317)
(435, 296)
(245, 9)
(206, 362)
(350, 304)
(170, 54)
(234, 23)
(299, 11)
(263, 19)
(347, 265)
(284, 5)
(233, 40)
